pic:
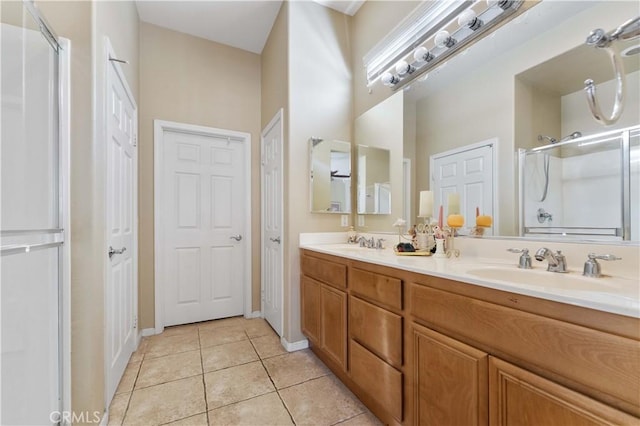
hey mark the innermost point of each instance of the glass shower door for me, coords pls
(30, 222)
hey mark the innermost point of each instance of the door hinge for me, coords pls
(135, 140)
(135, 322)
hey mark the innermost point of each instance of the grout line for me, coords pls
(204, 384)
(183, 418)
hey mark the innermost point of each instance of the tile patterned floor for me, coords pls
(230, 372)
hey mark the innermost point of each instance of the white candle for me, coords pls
(453, 203)
(426, 204)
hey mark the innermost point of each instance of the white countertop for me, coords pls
(614, 294)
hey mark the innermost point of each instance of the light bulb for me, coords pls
(403, 68)
(469, 18)
(443, 39)
(389, 79)
(422, 54)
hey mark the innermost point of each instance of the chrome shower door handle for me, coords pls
(236, 237)
(113, 251)
(275, 240)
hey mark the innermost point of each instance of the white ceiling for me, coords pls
(238, 23)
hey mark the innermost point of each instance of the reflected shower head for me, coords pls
(574, 135)
(549, 138)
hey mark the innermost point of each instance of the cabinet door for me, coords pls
(450, 380)
(519, 397)
(310, 292)
(334, 324)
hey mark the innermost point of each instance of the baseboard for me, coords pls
(147, 332)
(254, 314)
(295, 346)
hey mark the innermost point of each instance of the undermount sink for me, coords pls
(572, 281)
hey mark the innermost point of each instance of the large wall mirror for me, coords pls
(330, 180)
(374, 180)
(519, 87)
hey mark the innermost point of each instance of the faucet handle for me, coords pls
(592, 267)
(379, 243)
(525, 259)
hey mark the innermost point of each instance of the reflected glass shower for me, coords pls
(31, 218)
(587, 187)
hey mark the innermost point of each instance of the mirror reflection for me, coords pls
(330, 176)
(374, 180)
(527, 80)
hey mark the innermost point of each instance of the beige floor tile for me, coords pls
(168, 368)
(364, 419)
(138, 355)
(258, 327)
(197, 420)
(225, 322)
(263, 410)
(176, 330)
(268, 346)
(236, 384)
(322, 401)
(128, 377)
(222, 335)
(164, 345)
(228, 355)
(293, 368)
(166, 402)
(117, 408)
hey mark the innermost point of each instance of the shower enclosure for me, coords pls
(586, 187)
(34, 261)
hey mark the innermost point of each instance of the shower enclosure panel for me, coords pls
(31, 222)
(585, 187)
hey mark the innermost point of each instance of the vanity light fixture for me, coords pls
(412, 57)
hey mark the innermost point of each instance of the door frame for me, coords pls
(110, 53)
(492, 143)
(159, 127)
(278, 116)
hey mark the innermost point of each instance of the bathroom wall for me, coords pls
(86, 23)
(192, 80)
(320, 104)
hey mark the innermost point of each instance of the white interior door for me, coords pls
(272, 235)
(202, 218)
(121, 206)
(469, 172)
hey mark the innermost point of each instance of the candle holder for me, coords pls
(454, 223)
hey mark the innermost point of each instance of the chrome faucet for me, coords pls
(557, 261)
(592, 267)
(379, 244)
(367, 243)
(525, 259)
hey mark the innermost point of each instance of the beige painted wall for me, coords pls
(196, 81)
(373, 21)
(440, 116)
(320, 104)
(77, 21)
(275, 71)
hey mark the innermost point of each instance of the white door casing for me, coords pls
(272, 220)
(121, 220)
(469, 171)
(202, 223)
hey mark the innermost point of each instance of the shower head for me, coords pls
(541, 138)
(573, 135)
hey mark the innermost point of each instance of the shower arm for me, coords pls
(599, 39)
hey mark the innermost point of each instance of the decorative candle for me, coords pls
(484, 221)
(453, 203)
(455, 221)
(426, 204)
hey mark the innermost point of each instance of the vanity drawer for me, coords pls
(377, 378)
(332, 273)
(603, 362)
(377, 329)
(379, 288)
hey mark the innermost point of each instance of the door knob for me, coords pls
(236, 237)
(113, 251)
(275, 240)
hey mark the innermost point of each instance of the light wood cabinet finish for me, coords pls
(377, 329)
(518, 397)
(601, 361)
(450, 381)
(382, 289)
(332, 273)
(311, 309)
(377, 378)
(334, 324)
